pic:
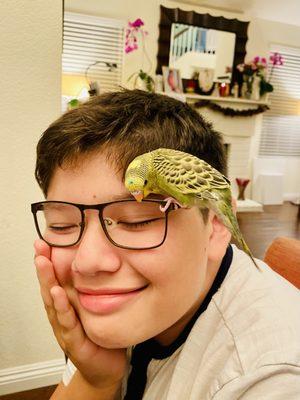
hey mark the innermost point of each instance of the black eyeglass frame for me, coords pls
(35, 207)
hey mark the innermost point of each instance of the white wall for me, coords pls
(30, 71)
(129, 10)
(261, 34)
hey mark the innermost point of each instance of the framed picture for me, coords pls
(172, 80)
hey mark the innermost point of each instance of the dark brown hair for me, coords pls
(126, 123)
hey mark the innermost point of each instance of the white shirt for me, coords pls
(245, 346)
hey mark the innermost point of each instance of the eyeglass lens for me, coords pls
(129, 224)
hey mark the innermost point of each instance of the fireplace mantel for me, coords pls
(190, 98)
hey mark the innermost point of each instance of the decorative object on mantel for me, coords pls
(242, 183)
(253, 72)
(224, 89)
(172, 80)
(231, 112)
(142, 79)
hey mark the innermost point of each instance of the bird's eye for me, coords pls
(145, 182)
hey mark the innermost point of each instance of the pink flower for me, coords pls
(276, 59)
(264, 61)
(134, 28)
(137, 23)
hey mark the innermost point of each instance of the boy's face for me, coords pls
(172, 279)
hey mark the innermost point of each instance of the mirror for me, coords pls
(194, 48)
(236, 29)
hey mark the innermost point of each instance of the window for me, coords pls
(93, 50)
(281, 124)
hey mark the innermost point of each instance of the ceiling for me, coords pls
(287, 11)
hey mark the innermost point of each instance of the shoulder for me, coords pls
(248, 337)
(260, 312)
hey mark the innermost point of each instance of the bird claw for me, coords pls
(170, 201)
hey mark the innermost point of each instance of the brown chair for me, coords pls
(283, 256)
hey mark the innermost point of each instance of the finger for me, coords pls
(71, 330)
(46, 277)
(65, 313)
(47, 280)
(42, 248)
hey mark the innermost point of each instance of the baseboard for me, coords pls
(31, 376)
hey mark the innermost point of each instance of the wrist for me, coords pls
(104, 386)
(79, 388)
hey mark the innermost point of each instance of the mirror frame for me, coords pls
(168, 16)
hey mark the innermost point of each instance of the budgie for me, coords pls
(187, 181)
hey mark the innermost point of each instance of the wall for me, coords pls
(30, 59)
(261, 34)
(30, 100)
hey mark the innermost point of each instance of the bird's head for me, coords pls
(137, 178)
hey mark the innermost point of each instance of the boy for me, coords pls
(151, 305)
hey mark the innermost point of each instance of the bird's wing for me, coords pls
(189, 174)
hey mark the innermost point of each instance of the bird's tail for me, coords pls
(247, 250)
(230, 221)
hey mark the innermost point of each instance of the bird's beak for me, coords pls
(138, 195)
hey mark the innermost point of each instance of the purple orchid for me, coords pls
(276, 59)
(131, 35)
(136, 24)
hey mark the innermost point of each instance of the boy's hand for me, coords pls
(99, 366)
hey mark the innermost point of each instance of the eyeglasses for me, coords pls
(127, 223)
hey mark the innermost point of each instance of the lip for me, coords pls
(107, 300)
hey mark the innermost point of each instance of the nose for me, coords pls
(95, 253)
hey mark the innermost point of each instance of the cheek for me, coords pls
(62, 261)
(181, 259)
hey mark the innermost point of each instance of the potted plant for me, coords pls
(255, 81)
(142, 78)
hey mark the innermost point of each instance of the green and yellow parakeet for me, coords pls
(187, 181)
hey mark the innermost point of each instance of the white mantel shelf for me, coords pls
(191, 97)
(228, 99)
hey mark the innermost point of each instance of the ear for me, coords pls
(218, 240)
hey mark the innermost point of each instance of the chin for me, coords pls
(109, 340)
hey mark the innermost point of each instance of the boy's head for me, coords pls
(124, 296)
(126, 124)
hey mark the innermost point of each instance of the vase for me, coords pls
(247, 86)
(265, 97)
(255, 89)
(242, 184)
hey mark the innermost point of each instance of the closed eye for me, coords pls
(63, 228)
(139, 224)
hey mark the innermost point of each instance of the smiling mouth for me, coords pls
(106, 301)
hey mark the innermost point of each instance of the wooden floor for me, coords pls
(259, 230)
(36, 394)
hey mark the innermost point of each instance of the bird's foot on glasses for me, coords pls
(170, 201)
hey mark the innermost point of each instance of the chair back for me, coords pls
(283, 256)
